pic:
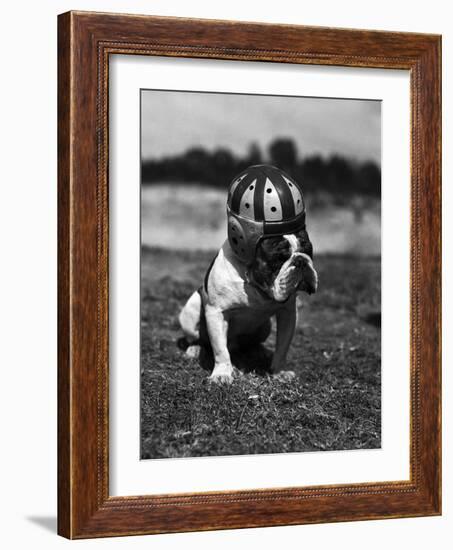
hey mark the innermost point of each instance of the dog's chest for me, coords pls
(248, 305)
(230, 291)
(253, 312)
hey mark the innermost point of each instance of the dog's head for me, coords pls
(283, 265)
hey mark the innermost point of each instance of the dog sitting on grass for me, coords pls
(255, 276)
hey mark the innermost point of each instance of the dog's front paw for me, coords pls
(222, 374)
(284, 376)
(193, 352)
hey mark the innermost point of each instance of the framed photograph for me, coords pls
(249, 275)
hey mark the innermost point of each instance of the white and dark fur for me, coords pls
(235, 306)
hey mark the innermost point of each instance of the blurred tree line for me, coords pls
(336, 176)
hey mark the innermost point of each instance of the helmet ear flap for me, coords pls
(238, 239)
(243, 236)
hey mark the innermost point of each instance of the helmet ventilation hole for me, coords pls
(247, 205)
(269, 190)
(273, 209)
(235, 241)
(251, 188)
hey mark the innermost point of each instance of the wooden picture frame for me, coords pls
(85, 42)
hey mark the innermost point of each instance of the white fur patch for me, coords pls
(293, 243)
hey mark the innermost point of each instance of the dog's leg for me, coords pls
(217, 326)
(189, 320)
(286, 324)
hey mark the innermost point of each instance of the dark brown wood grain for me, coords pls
(85, 41)
(64, 426)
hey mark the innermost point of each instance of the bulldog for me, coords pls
(234, 307)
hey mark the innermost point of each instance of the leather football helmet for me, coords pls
(263, 201)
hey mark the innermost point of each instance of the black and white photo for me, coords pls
(260, 274)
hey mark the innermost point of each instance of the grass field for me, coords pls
(333, 403)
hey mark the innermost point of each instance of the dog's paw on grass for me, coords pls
(284, 376)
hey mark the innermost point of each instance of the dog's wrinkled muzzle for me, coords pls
(297, 273)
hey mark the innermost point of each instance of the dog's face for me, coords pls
(283, 265)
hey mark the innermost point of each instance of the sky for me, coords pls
(174, 121)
